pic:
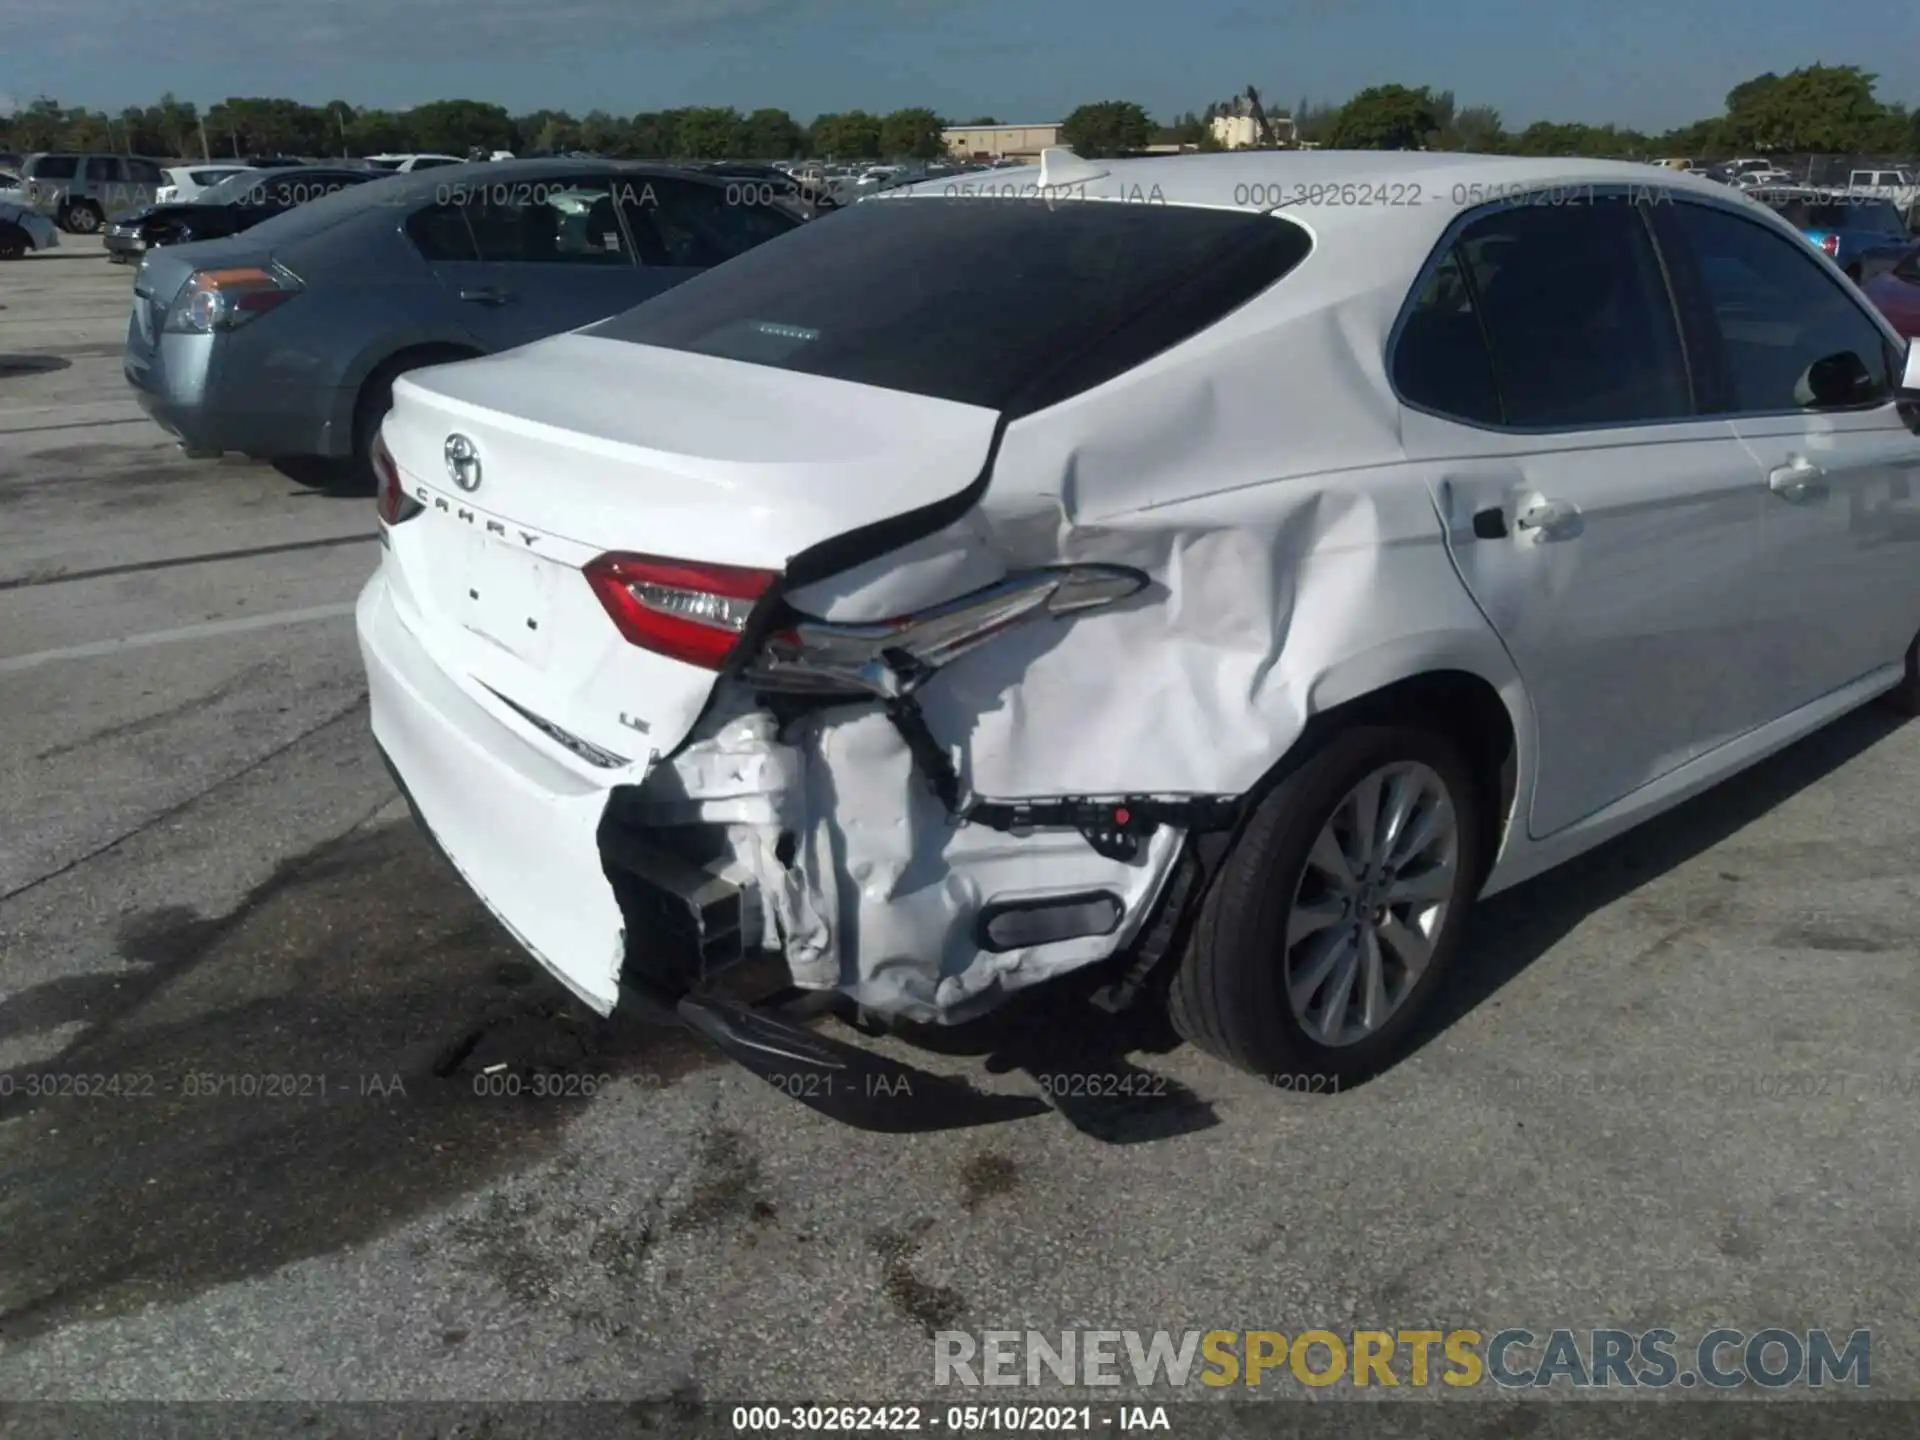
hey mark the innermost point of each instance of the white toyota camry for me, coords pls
(1220, 570)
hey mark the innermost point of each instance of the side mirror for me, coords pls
(1837, 380)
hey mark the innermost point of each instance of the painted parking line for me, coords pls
(207, 631)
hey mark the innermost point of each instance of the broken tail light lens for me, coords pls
(893, 657)
(682, 609)
(390, 497)
(227, 299)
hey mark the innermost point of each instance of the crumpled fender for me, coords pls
(1296, 562)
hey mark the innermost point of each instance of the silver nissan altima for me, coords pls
(283, 343)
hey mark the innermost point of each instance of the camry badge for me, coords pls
(463, 462)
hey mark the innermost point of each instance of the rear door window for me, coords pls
(1009, 304)
(565, 220)
(1577, 316)
(694, 224)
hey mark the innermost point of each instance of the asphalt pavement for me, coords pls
(255, 1044)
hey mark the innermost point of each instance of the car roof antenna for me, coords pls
(1060, 166)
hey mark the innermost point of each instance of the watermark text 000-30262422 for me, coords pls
(1516, 1358)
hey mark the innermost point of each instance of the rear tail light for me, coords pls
(679, 608)
(893, 658)
(390, 497)
(1831, 244)
(227, 299)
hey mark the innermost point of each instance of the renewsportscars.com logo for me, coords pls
(1658, 1359)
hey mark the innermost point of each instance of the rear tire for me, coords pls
(14, 243)
(82, 217)
(317, 472)
(376, 399)
(1244, 995)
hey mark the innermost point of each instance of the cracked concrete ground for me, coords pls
(356, 1147)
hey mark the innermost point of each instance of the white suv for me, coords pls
(1208, 574)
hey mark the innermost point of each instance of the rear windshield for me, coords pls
(1860, 215)
(1010, 304)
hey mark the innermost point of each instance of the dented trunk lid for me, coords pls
(586, 446)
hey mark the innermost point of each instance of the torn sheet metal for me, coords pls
(1294, 568)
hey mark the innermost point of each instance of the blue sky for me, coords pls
(1649, 63)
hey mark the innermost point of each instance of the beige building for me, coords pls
(1000, 142)
(1241, 132)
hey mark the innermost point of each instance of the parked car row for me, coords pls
(23, 230)
(238, 202)
(1862, 234)
(84, 192)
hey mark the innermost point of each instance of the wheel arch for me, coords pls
(1469, 692)
(385, 360)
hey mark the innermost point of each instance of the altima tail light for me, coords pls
(683, 609)
(1831, 244)
(390, 497)
(227, 299)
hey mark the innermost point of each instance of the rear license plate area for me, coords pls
(506, 597)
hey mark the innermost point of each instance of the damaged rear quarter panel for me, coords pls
(1298, 560)
(1256, 474)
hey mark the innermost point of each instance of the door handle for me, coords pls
(1797, 482)
(486, 295)
(1548, 520)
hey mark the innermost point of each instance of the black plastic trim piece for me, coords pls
(1113, 826)
(856, 547)
(983, 923)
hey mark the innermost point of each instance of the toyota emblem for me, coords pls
(463, 462)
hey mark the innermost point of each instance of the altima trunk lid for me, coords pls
(532, 464)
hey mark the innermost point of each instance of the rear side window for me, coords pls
(558, 221)
(1577, 316)
(208, 177)
(1441, 362)
(144, 172)
(53, 167)
(1006, 304)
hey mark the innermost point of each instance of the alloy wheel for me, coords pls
(1368, 907)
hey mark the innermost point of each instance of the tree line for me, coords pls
(1819, 109)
